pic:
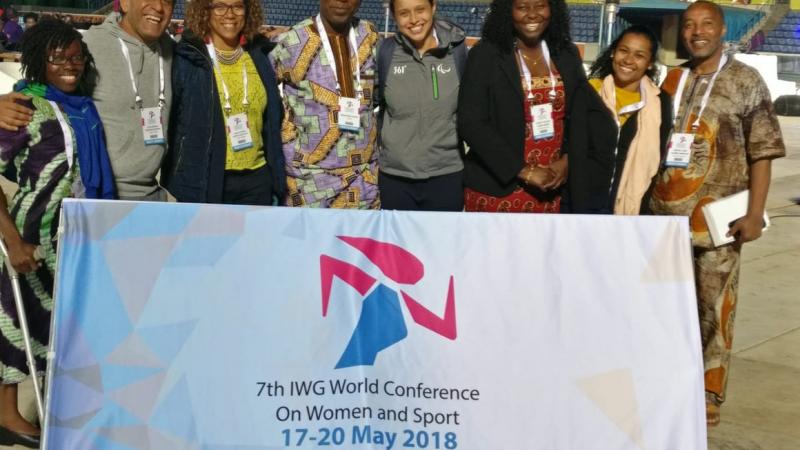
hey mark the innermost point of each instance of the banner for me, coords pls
(181, 326)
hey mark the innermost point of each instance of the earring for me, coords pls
(242, 40)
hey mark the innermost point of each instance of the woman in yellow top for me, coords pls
(628, 119)
(224, 134)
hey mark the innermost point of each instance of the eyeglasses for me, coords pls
(221, 9)
(60, 60)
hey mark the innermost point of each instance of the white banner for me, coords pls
(213, 327)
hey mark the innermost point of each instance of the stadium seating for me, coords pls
(469, 15)
(785, 38)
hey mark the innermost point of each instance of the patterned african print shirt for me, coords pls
(327, 167)
(737, 128)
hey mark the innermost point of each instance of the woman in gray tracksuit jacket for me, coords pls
(418, 70)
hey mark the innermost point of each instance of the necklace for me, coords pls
(229, 57)
(535, 61)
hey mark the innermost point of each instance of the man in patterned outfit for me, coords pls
(734, 136)
(327, 67)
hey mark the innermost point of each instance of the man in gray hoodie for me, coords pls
(132, 91)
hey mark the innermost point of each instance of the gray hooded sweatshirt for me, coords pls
(419, 139)
(135, 165)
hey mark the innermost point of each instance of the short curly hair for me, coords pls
(499, 26)
(198, 15)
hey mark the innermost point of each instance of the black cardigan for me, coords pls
(594, 173)
(491, 117)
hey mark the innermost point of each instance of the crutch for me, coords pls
(23, 324)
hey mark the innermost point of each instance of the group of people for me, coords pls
(328, 115)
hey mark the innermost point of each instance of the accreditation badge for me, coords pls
(543, 125)
(239, 132)
(679, 151)
(349, 118)
(152, 126)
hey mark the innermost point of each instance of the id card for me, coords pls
(239, 132)
(349, 118)
(543, 126)
(152, 128)
(679, 151)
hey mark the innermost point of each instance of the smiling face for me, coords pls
(415, 19)
(338, 14)
(66, 77)
(531, 19)
(702, 30)
(631, 60)
(145, 20)
(226, 28)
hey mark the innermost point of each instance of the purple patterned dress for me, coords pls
(325, 166)
(44, 178)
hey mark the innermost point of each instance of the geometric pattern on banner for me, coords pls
(181, 426)
(117, 377)
(88, 376)
(197, 251)
(113, 416)
(203, 222)
(658, 269)
(107, 217)
(76, 400)
(157, 220)
(133, 351)
(78, 421)
(134, 361)
(138, 397)
(167, 340)
(614, 393)
(136, 270)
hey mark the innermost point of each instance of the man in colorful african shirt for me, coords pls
(326, 65)
(735, 135)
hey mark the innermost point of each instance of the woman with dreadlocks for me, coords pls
(514, 107)
(65, 134)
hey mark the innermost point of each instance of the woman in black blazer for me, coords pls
(615, 157)
(514, 107)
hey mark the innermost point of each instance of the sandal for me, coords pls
(712, 415)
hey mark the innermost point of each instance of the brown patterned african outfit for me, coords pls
(737, 128)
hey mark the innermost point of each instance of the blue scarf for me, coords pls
(95, 167)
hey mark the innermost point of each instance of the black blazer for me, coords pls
(491, 116)
(594, 172)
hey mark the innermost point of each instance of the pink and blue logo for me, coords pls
(381, 323)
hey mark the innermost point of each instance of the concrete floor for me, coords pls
(763, 407)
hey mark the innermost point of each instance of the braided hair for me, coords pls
(603, 65)
(48, 35)
(499, 26)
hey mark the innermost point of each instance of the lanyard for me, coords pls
(326, 45)
(527, 73)
(162, 100)
(704, 102)
(245, 103)
(634, 106)
(66, 130)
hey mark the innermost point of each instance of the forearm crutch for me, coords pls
(23, 324)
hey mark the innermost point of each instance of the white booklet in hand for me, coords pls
(721, 214)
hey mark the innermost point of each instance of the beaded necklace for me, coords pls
(229, 57)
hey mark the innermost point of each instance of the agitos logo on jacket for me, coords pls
(381, 323)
